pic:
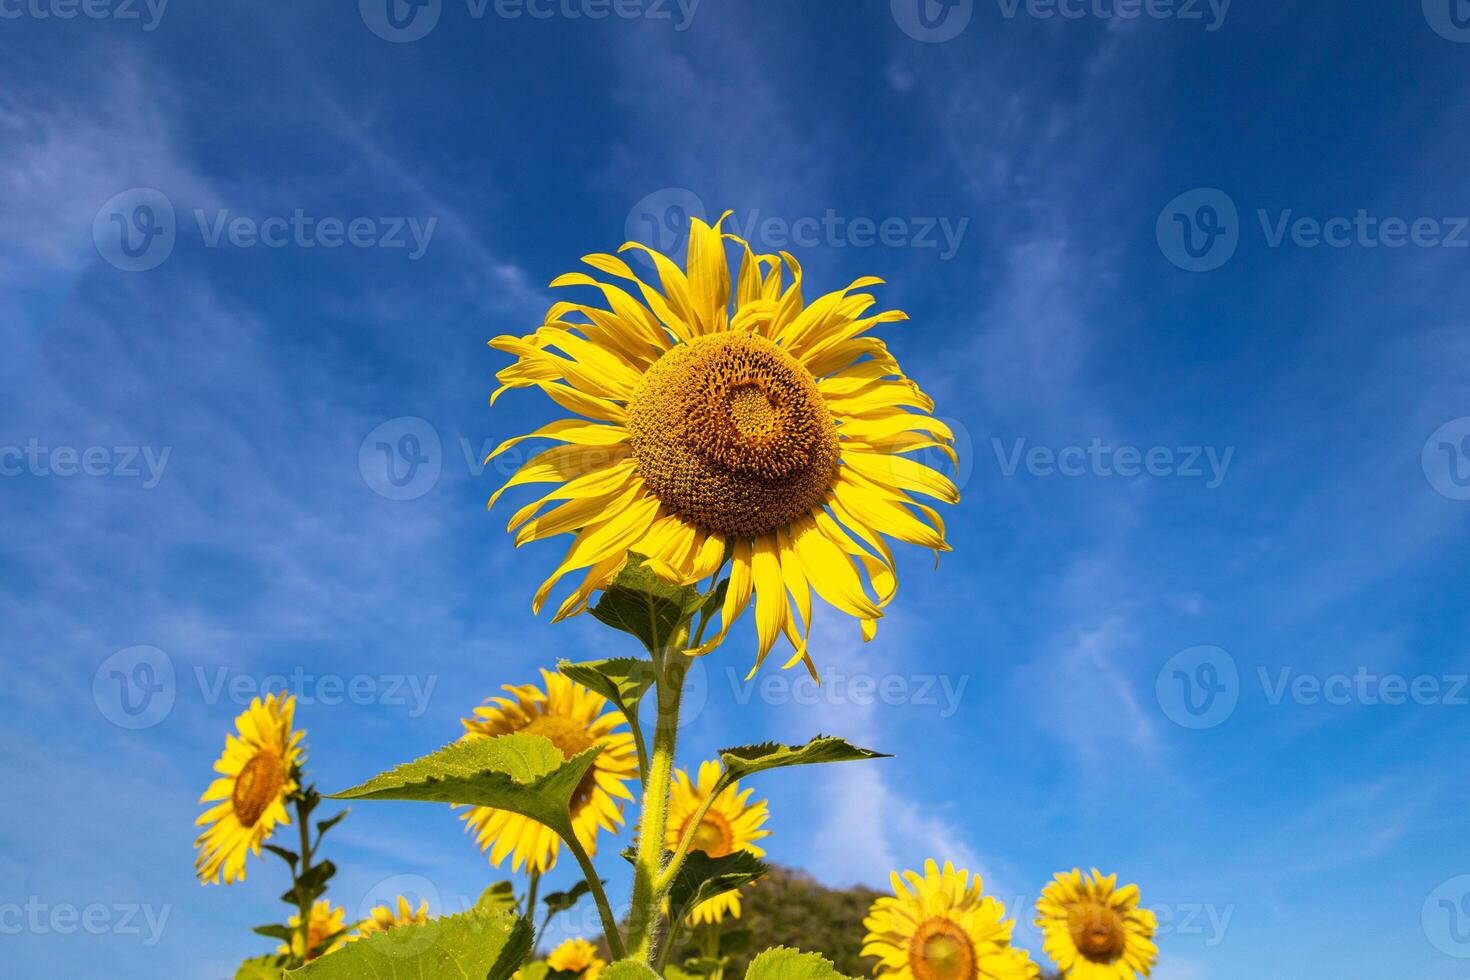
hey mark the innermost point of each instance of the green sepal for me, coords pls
(623, 681)
(643, 605)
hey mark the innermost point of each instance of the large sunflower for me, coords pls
(257, 776)
(324, 923)
(717, 420)
(1095, 930)
(577, 956)
(732, 824)
(941, 927)
(385, 919)
(574, 719)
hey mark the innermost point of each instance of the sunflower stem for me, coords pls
(303, 901)
(691, 828)
(671, 668)
(604, 908)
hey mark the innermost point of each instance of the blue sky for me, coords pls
(1231, 672)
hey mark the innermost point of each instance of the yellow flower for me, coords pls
(732, 824)
(574, 719)
(714, 418)
(941, 927)
(578, 956)
(1095, 930)
(257, 777)
(384, 919)
(324, 923)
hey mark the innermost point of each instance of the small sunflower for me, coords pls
(717, 418)
(941, 927)
(574, 719)
(1095, 930)
(325, 923)
(385, 919)
(577, 956)
(257, 777)
(732, 824)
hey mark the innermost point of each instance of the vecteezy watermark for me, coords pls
(661, 221)
(147, 12)
(939, 691)
(1200, 687)
(137, 230)
(1446, 459)
(402, 458)
(402, 21)
(144, 463)
(137, 687)
(932, 21)
(1209, 921)
(1445, 917)
(936, 21)
(1099, 459)
(1199, 230)
(38, 917)
(1450, 19)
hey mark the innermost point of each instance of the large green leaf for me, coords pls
(638, 602)
(628, 970)
(524, 774)
(789, 964)
(499, 897)
(565, 901)
(623, 681)
(701, 878)
(262, 968)
(473, 944)
(747, 759)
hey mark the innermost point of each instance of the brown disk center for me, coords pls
(258, 784)
(713, 836)
(941, 950)
(1097, 932)
(731, 434)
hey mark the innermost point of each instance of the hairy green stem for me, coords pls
(604, 908)
(303, 901)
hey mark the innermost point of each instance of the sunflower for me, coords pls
(385, 919)
(574, 719)
(258, 773)
(325, 923)
(1095, 930)
(941, 927)
(717, 421)
(732, 824)
(577, 956)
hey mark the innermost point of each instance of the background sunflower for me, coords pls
(383, 918)
(324, 923)
(732, 823)
(719, 421)
(574, 719)
(577, 956)
(1095, 930)
(257, 777)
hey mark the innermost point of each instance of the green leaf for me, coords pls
(283, 933)
(472, 944)
(672, 972)
(499, 897)
(262, 968)
(534, 971)
(640, 603)
(623, 681)
(322, 826)
(702, 877)
(522, 773)
(558, 902)
(748, 759)
(789, 964)
(290, 857)
(311, 885)
(628, 970)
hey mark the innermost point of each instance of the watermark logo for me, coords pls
(135, 688)
(400, 21)
(1180, 10)
(415, 890)
(1446, 459)
(143, 463)
(1450, 19)
(38, 917)
(1198, 687)
(1101, 459)
(1445, 917)
(135, 230)
(401, 459)
(933, 21)
(661, 220)
(148, 12)
(1199, 230)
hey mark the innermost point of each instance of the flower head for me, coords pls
(941, 927)
(1095, 930)
(733, 823)
(257, 777)
(719, 419)
(577, 956)
(325, 923)
(574, 719)
(385, 919)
